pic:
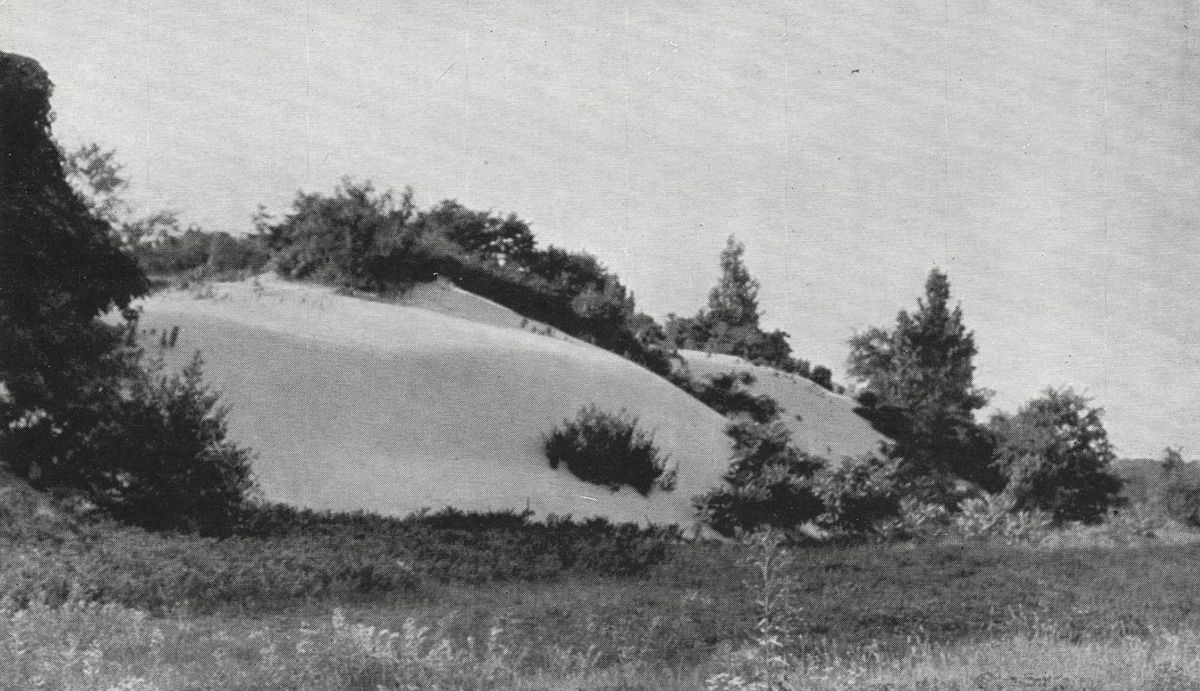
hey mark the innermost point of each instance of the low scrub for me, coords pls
(158, 572)
(609, 449)
(452, 545)
(280, 554)
(88, 646)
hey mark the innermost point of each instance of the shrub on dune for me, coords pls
(608, 449)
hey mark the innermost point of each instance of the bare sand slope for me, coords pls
(356, 404)
(446, 298)
(827, 426)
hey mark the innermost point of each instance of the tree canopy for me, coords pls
(921, 373)
(730, 322)
(1056, 455)
(734, 300)
(60, 267)
(77, 410)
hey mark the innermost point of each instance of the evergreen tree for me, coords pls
(734, 301)
(922, 376)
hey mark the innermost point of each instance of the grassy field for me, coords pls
(641, 612)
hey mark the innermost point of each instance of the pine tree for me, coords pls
(734, 301)
(923, 377)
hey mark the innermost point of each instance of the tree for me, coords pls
(769, 482)
(95, 175)
(1172, 461)
(60, 268)
(338, 238)
(1056, 457)
(504, 240)
(922, 376)
(77, 411)
(734, 300)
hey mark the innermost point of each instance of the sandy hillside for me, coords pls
(827, 426)
(358, 404)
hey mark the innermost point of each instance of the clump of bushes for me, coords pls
(199, 253)
(609, 449)
(727, 394)
(1056, 457)
(769, 482)
(150, 451)
(859, 495)
(1168, 487)
(368, 240)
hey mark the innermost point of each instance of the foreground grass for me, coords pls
(90, 646)
(313, 601)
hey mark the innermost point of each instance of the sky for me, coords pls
(1045, 154)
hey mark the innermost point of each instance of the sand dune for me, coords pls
(441, 399)
(359, 404)
(827, 425)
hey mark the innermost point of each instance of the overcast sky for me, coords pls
(1045, 154)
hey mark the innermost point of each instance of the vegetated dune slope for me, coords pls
(360, 404)
(822, 423)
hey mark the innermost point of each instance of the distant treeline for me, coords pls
(201, 253)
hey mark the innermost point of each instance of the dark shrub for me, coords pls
(822, 377)
(1182, 501)
(768, 483)
(153, 455)
(867, 399)
(1056, 457)
(608, 449)
(727, 394)
(336, 239)
(859, 494)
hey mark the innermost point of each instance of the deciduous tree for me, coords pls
(1056, 456)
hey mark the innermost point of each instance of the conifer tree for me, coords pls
(922, 374)
(734, 301)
